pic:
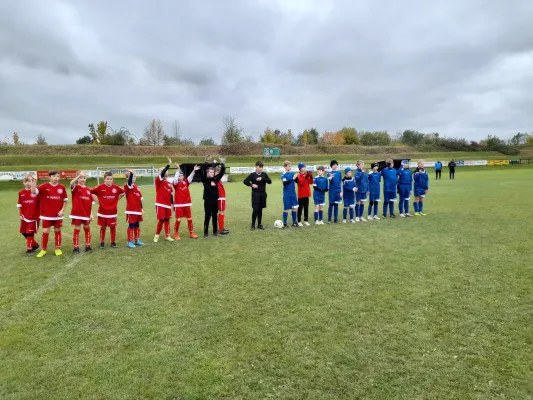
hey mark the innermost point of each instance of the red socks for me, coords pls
(87, 230)
(76, 238)
(137, 233)
(221, 222)
(29, 243)
(167, 228)
(177, 226)
(102, 234)
(58, 238)
(159, 227)
(189, 223)
(113, 232)
(44, 241)
(131, 234)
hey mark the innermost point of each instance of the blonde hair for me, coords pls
(285, 163)
(82, 172)
(359, 162)
(389, 162)
(27, 177)
(420, 162)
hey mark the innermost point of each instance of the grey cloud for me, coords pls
(463, 69)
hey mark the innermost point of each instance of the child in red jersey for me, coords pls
(221, 205)
(81, 213)
(182, 201)
(52, 201)
(107, 195)
(134, 210)
(28, 205)
(163, 203)
(304, 182)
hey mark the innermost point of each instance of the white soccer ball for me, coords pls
(278, 224)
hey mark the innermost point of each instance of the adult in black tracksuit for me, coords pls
(451, 167)
(257, 181)
(210, 181)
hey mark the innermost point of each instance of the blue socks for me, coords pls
(415, 205)
(385, 206)
(391, 208)
(336, 211)
(421, 206)
(330, 211)
(375, 208)
(351, 213)
(344, 212)
(294, 220)
(406, 206)
(370, 209)
(320, 215)
(400, 206)
(285, 217)
(316, 216)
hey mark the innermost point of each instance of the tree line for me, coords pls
(154, 134)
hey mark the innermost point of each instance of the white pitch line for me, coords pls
(48, 285)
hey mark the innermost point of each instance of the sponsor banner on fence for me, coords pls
(68, 174)
(241, 170)
(459, 163)
(471, 163)
(498, 162)
(14, 175)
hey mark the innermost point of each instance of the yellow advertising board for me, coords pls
(497, 162)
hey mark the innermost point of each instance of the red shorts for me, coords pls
(183, 212)
(222, 205)
(163, 213)
(29, 228)
(133, 218)
(103, 222)
(57, 223)
(80, 221)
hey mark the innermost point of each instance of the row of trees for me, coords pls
(154, 134)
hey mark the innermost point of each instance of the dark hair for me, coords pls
(259, 164)
(53, 172)
(333, 162)
(320, 168)
(373, 165)
(108, 173)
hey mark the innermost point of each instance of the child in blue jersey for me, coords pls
(390, 179)
(421, 187)
(374, 183)
(348, 190)
(320, 185)
(335, 191)
(405, 185)
(290, 201)
(361, 181)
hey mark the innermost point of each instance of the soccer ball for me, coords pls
(278, 224)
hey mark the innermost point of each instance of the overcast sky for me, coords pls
(461, 68)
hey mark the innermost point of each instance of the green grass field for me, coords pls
(435, 307)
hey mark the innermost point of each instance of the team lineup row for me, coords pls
(47, 202)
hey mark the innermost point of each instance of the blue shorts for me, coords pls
(319, 198)
(349, 201)
(374, 197)
(405, 192)
(335, 197)
(420, 192)
(389, 196)
(290, 202)
(361, 196)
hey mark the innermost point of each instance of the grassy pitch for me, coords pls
(435, 307)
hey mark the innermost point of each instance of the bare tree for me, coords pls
(41, 140)
(232, 132)
(176, 130)
(153, 133)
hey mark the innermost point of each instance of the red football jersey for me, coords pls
(82, 203)
(163, 192)
(51, 200)
(108, 197)
(133, 200)
(28, 205)
(221, 191)
(183, 195)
